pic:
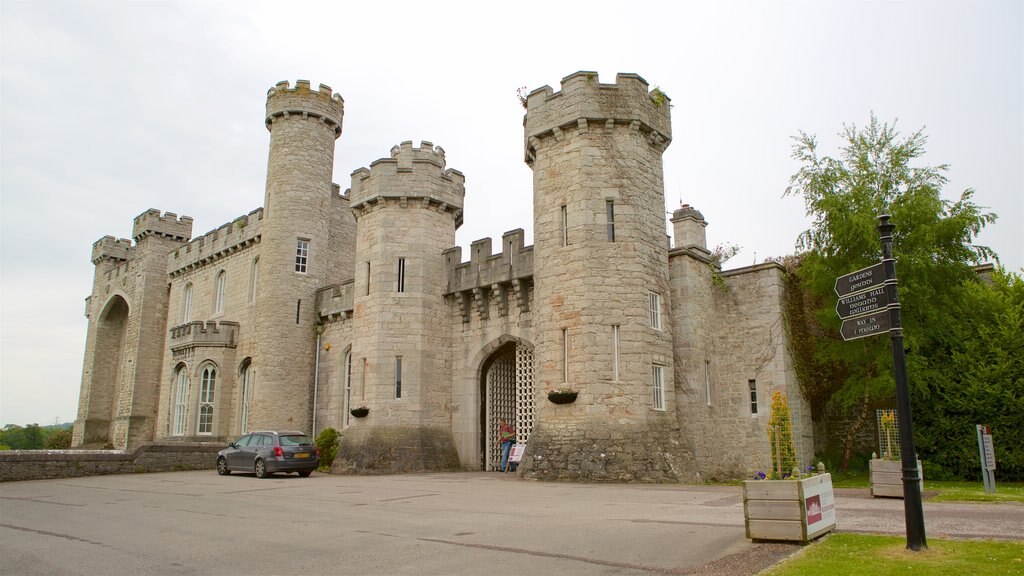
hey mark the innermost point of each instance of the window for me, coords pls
(401, 274)
(707, 382)
(565, 355)
(248, 379)
(565, 225)
(298, 310)
(180, 394)
(208, 385)
(610, 212)
(654, 300)
(220, 284)
(347, 400)
(254, 278)
(301, 254)
(398, 377)
(658, 384)
(367, 278)
(186, 303)
(753, 396)
(615, 352)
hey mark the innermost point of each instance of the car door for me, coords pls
(257, 446)
(235, 456)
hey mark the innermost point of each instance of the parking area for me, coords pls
(465, 523)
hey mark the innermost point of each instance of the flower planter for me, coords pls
(887, 478)
(562, 396)
(794, 510)
(359, 412)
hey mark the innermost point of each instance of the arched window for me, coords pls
(218, 292)
(186, 303)
(254, 278)
(180, 396)
(207, 387)
(248, 380)
(348, 390)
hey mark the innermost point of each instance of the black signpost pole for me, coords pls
(912, 509)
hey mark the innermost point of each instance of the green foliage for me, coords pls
(961, 372)
(30, 437)
(327, 442)
(59, 440)
(780, 437)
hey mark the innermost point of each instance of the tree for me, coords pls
(933, 244)
(59, 439)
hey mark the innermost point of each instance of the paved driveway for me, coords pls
(469, 523)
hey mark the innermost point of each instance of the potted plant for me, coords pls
(360, 411)
(887, 470)
(562, 396)
(788, 503)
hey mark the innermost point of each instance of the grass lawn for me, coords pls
(854, 554)
(948, 491)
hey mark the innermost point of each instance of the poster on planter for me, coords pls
(819, 504)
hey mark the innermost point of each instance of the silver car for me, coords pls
(266, 452)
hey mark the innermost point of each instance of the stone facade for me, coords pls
(321, 302)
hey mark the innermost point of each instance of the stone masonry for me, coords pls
(352, 310)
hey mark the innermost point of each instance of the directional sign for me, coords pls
(870, 277)
(863, 302)
(864, 326)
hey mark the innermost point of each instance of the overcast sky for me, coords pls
(110, 108)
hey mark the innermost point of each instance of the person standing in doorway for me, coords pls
(506, 438)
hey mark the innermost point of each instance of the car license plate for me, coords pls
(302, 454)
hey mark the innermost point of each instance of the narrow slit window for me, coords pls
(752, 384)
(565, 225)
(610, 210)
(255, 279)
(658, 386)
(401, 274)
(301, 255)
(220, 287)
(398, 377)
(707, 382)
(367, 278)
(298, 310)
(565, 355)
(615, 352)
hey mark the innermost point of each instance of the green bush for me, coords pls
(59, 440)
(327, 442)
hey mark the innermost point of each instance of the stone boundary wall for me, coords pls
(47, 464)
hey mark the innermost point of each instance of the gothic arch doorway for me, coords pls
(507, 392)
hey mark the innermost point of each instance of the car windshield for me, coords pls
(295, 440)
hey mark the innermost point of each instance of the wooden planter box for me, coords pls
(796, 510)
(887, 478)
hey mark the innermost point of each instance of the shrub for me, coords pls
(327, 442)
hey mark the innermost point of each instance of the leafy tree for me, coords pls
(933, 245)
(59, 439)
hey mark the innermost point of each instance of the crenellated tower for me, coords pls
(601, 318)
(295, 250)
(127, 314)
(407, 209)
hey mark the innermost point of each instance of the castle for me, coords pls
(352, 310)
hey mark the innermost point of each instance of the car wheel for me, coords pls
(305, 473)
(261, 469)
(222, 467)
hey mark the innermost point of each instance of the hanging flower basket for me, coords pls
(360, 411)
(562, 396)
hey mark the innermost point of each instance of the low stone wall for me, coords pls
(44, 464)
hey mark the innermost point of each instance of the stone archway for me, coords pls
(507, 391)
(106, 373)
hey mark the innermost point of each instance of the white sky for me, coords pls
(110, 108)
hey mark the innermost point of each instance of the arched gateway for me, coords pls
(507, 392)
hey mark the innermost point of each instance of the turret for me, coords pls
(295, 249)
(407, 208)
(601, 300)
(688, 228)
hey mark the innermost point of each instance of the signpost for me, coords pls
(988, 458)
(869, 305)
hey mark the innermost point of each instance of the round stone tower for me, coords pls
(602, 311)
(407, 208)
(303, 126)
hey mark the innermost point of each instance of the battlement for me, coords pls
(585, 104)
(226, 239)
(167, 225)
(410, 174)
(110, 248)
(514, 262)
(324, 105)
(335, 301)
(222, 334)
